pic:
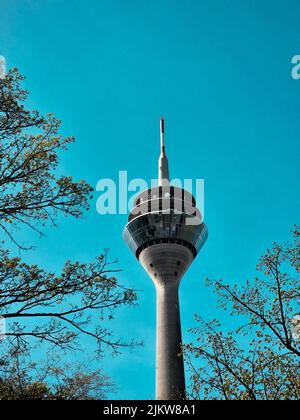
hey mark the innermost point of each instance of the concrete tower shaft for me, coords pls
(166, 265)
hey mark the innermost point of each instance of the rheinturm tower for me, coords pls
(165, 232)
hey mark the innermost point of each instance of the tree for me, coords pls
(62, 305)
(30, 191)
(32, 195)
(261, 359)
(52, 379)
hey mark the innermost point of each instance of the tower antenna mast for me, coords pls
(163, 165)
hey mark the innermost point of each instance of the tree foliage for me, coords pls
(51, 379)
(40, 306)
(31, 193)
(62, 305)
(261, 359)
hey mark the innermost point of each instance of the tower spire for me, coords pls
(162, 136)
(163, 165)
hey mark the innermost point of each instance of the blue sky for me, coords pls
(220, 73)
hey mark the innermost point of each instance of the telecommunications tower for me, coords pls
(165, 232)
